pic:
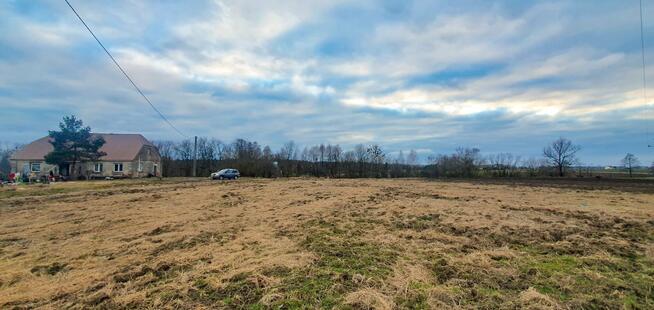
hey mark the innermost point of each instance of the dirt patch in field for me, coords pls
(317, 243)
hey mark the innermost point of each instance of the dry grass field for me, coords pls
(319, 243)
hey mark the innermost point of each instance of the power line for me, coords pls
(125, 73)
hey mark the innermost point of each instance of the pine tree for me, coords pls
(73, 144)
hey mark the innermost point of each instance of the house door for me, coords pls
(155, 170)
(64, 170)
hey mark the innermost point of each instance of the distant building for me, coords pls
(128, 156)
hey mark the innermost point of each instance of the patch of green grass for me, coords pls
(587, 282)
(443, 270)
(345, 261)
(413, 300)
(490, 292)
(276, 271)
(203, 238)
(342, 252)
(418, 223)
(350, 257)
(310, 288)
(550, 265)
(601, 281)
(415, 297)
(240, 292)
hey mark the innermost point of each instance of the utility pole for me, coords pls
(642, 46)
(195, 157)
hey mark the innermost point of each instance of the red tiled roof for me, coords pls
(118, 146)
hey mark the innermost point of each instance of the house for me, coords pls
(127, 156)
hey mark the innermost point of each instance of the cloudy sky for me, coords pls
(505, 76)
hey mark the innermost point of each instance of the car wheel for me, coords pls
(220, 177)
(235, 177)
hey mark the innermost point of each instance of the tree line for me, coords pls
(363, 161)
(73, 144)
(251, 159)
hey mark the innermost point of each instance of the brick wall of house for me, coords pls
(17, 166)
(130, 168)
(146, 163)
(149, 159)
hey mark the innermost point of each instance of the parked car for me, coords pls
(229, 174)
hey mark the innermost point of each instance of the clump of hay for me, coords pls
(532, 299)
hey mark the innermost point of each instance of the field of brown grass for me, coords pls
(320, 243)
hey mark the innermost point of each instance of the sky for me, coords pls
(501, 76)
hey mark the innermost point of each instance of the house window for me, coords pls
(118, 167)
(97, 167)
(35, 167)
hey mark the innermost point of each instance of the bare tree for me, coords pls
(534, 165)
(376, 154)
(184, 150)
(467, 161)
(334, 153)
(361, 157)
(629, 162)
(400, 158)
(503, 164)
(561, 154)
(288, 151)
(304, 156)
(267, 153)
(218, 147)
(412, 158)
(167, 152)
(377, 159)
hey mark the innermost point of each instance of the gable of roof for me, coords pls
(119, 147)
